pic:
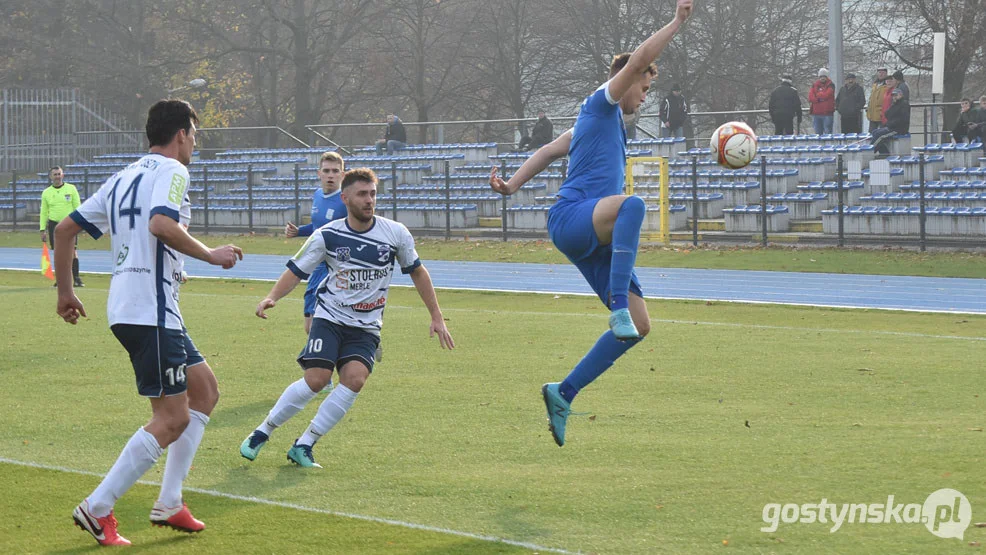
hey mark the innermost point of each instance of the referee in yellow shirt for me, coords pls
(57, 202)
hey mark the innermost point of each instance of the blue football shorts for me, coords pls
(570, 229)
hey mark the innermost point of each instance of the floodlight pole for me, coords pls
(835, 53)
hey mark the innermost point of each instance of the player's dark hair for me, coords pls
(358, 175)
(53, 168)
(620, 61)
(967, 99)
(166, 118)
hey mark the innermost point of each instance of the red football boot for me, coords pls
(178, 518)
(103, 529)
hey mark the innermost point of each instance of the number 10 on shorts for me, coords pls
(175, 375)
(314, 345)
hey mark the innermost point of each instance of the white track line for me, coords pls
(648, 297)
(272, 503)
(600, 316)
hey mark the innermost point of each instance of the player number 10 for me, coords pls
(175, 375)
(314, 345)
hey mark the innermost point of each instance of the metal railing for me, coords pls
(222, 205)
(38, 126)
(24, 150)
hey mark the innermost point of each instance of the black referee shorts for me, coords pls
(51, 235)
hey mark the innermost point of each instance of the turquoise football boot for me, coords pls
(252, 444)
(301, 455)
(558, 411)
(621, 323)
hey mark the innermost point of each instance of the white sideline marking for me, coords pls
(575, 294)
(655, 320)
(262, 501)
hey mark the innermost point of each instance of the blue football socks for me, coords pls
(599, 358)
(626, 238)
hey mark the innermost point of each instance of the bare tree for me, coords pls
(307, 43)
(519, 54)
(422, 55)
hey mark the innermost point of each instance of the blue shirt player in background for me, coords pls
(593, 223)
(327, 205)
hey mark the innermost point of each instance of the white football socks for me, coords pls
(180, 456)
(294, 398)
(137, 457)
(330, 412)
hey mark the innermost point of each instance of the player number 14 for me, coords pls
(175, 375)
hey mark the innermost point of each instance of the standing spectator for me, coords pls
(542, 134)
(57, 202)
(899, 78)
(874, 112)
(674, 112)
(887, 99)
(850, 102)
(394, 139)
(965, 127)
(784, 106)
(898, 122)
(821, 100)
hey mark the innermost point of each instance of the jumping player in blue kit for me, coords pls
(327, 205)
(593, 223)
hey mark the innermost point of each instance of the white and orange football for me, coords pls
(734, 145)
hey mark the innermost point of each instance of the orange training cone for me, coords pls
(46, 263)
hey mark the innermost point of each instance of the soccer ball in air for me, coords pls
(734, 144)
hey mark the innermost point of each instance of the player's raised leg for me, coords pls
(170, 509)
(617, 220)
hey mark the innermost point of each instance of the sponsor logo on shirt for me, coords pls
(359, 279)
(177, 192)
(369, 306)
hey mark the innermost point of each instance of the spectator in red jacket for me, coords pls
(821, 102)
(888, 98)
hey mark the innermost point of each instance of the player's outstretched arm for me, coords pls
(534, 165)
(426, 290)
(176, 236)
(69, 306)
(648, 51)
(285, 284)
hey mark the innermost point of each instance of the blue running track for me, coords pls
(812, 289)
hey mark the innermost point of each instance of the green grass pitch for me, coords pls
(723, 409)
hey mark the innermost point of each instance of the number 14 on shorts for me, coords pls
(175, 375)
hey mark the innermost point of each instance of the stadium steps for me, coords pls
(718, 224)
(806, 226)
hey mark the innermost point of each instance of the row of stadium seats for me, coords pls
(800, 179)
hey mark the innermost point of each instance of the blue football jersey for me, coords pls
(598, 153)
(325, 208)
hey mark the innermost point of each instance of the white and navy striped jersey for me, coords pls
(146, 272)
(361, 266)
